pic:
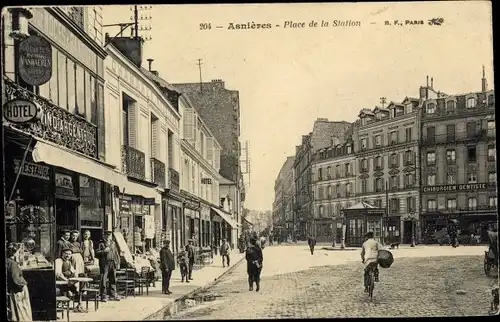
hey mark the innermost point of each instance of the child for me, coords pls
(182, 260)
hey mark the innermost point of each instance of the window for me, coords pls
(378, 203)
(472, 203)
(431, 133)
(378, 141)
(394, 206)
(409, 109)
(431, 108)
(394, 181)
(431, 204)
(491, 99)
(450, 132)
(492, 153)
(363, 186)
(451, 204)
(450, 107)
(492, 177)
(408, 157)
(320, 193)
(378, 162)
(321, 211)
(408, 134)
(348, 169)
(364, 164)
(491, 127)
(320, 174)
(349, 149)
(379, 185)
(393, 137)
(431, 158)
(329, 172)
(493, 201)
(394, 160)
(471, 102)
(450, 156)
(411, 204)
(338, 190)
(408, 178)
(471, 130)
(363, 144)
(348, 188)
(450, 178)
(431, 179)
(337, 171)
(471, 177)
(329, 192)
(471, 154)
(170, 147)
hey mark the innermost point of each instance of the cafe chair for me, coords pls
(143, 280)
(62, 304)
(91, 292)
(127, 283)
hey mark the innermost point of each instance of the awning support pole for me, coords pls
(19, 172)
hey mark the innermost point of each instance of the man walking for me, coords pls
(109, 263)
(224, 252)
(167, 265)
(254, 259)
(312, 242)
(190, 251)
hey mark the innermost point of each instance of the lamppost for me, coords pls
(412, 213)
(342, 217)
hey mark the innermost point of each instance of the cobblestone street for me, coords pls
(413, 286)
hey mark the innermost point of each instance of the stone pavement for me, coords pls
(140, 307)
(423, 281)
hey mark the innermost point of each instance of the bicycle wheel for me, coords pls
(371, 284)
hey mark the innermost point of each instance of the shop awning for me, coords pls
(226, 218)
(60, 157)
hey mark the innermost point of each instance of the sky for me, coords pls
(289, 77)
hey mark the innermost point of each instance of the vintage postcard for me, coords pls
(249, 161)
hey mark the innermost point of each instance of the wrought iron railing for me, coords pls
(56, 124)
(173, 179)
(458, 137)
(133, 162)
(157, 172)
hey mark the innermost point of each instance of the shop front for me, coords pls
(206, 230)
(173, 220)
(324, 230)
(360, 219)
(191, 210)
(222, 221)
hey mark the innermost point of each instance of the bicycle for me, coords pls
(370, 281)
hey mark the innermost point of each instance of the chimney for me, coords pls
(423, 92)
(427, 82)
(150, 61)
(131, 47)
(219, 82)
(484, 84)
(432, 82)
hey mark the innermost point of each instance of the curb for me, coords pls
(339, 249)
(158, 315)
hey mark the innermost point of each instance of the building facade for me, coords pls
(65, 176)
(146, 126)
(334, 185)
(386, 147)
(230, 225)
(282, 205)
(219, 107)
(458, 157)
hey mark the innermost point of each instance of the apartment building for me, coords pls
(283, 195)
(458, 156)
(334, 187)
(386, 148)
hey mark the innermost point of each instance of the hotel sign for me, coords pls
(456, 187)
(35, 60)
(21, 111)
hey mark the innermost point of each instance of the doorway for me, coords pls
(407, 231)
(355, 231)
(66, 214)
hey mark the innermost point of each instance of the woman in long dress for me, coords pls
(17, 288)
(76, 256)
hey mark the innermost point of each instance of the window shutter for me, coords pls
(368, 164)
(382, 162)
(132, 120)
(374, 185)
(189, 125)
(360, 165)
(217, 159)
(413, 158)
(154, 139)
(374, 141)
(397, 159)
(210, 150)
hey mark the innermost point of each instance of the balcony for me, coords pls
(157, 172)
(457, 138)
(173, 179)
(133, 162)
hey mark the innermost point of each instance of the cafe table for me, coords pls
(82, 281)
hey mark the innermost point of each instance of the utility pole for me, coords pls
(199, 63)
(386, 234)
(136, 22)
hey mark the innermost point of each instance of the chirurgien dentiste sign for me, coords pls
(456, 187)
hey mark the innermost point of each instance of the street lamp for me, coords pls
(342, 217)
(412, 213)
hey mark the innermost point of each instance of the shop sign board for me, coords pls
(32, 169)
(456, 187)
(21, 111)
(35, 60)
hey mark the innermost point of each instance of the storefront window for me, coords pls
(91, 209)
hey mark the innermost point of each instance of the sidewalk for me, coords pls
(142, 306)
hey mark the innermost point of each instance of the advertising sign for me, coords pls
(21, 111)
(35, 60)
(456, 187)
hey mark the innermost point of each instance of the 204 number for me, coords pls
(205, 26)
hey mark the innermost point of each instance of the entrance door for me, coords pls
(66, 215)
(407, 231)
(355, 231)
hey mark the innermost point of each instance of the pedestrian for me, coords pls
(109, 263)
(190, 251)
(254, 259)
(76, 253)
(64, 270)
(17, 288)
(167, 265)
(224, 252)
(183, 261)
(311, 241)
(63, 242)
(88, 248)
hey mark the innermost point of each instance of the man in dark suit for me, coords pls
(109, 263)
(167, 265)
(190, 258)
(312, 242)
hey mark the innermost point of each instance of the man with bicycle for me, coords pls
(369, 256)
